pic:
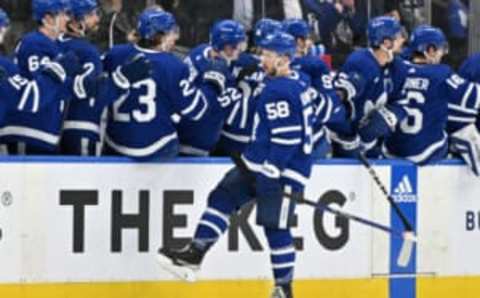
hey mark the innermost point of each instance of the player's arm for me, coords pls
(350, 84)
(108, 87)
(463, 101)
(31, 95)
(463, 110)
(382, 121)
(30, 58)
(192, 98)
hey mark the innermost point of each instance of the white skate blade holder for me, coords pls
(182, 272)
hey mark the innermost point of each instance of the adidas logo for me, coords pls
(403, 193)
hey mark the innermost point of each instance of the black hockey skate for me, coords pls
(183, 263)
(284, 291)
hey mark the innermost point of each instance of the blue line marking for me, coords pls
(404, 191)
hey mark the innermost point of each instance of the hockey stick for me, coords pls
(408, 238)
(407, 245)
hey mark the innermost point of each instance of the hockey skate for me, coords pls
(183, 263)
(282, 292)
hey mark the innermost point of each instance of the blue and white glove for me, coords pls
(136, 69)
(466, 143)
(346, 146)
(216, 74)
(64, 66)
(379, 123)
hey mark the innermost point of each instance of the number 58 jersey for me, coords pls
(282, 139)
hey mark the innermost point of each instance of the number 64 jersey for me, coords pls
(282, 140)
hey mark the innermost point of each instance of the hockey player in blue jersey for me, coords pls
(227, 39)
(140, 123)
(277, 161)
(21, 94)
(81, 128)
(464, 123)
(329, 101)
(39, 133)
(237, 130)
(365, 79)
(302, 33)
(426, 90)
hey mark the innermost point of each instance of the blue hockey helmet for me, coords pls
(382, 28)
(226, 32)
(153, 21)
(4, 19)
(297, 28)
(281, 43)
(43, 7)
(265, 27)
(81, 8)
(425, 36)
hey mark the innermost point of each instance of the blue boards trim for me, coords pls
(403, 188)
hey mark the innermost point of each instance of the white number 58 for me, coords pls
(277, 110)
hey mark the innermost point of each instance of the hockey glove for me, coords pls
(216, 74)
(247, 72)
(379, 123)
(466, 143)
(136, 69)
(89, 86)
(64, 66)
(346, 146)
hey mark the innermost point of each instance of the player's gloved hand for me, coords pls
(64, 66)
(216, 74)
(466, 143)
(379, 123)
(136, 69)
(247, 71)
(347, 146)
(267, 183)
(89, 86)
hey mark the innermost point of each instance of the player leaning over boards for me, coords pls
(92, 89)
(433, 96)
(227, 37)
(140, 124)
(365, 78)
(38, 133)
(277, 161)
(81, 129)
(20, 94)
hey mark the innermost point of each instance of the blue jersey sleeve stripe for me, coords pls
(287, 142)
(462, 109)
(286, 129)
